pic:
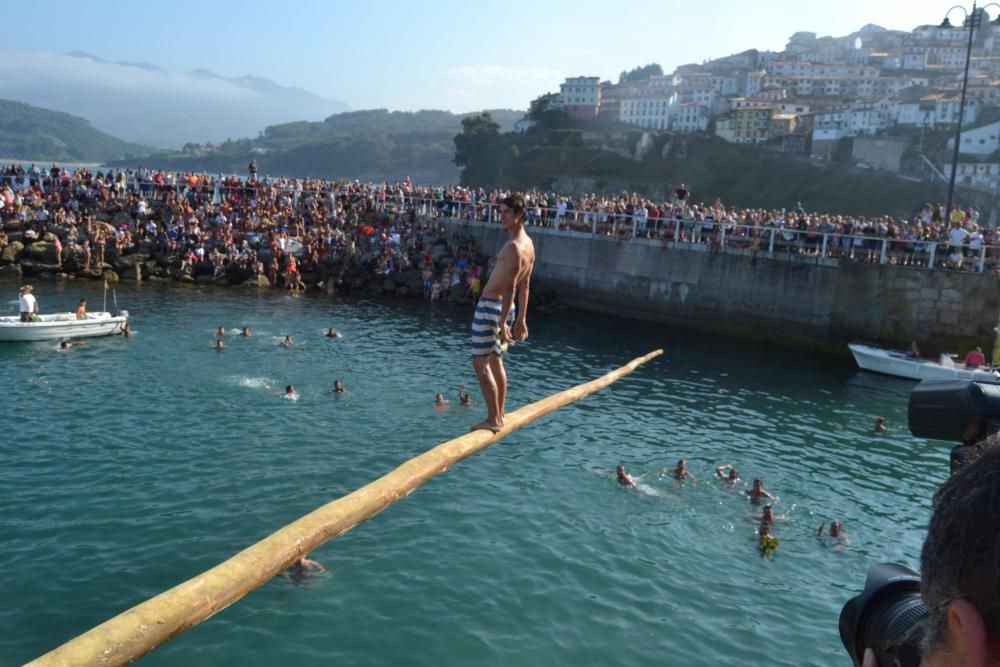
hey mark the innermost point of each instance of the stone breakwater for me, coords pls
(360, 271)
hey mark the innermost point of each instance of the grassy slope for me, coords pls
(33, 133)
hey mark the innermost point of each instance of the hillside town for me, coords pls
(879, 88)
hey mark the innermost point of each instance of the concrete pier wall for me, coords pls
(793, 299)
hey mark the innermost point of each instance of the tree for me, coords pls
(478, 134)
(641, 73)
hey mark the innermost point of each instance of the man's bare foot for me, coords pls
(486, 425)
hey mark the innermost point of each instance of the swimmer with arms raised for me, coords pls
(728, 473)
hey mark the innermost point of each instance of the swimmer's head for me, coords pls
(289, 389)
(733, 474)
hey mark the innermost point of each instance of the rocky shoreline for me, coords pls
(359, 274)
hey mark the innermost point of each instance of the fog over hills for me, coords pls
(142, 103)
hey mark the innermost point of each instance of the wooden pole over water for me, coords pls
(139, 630)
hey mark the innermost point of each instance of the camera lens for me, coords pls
(885, 617)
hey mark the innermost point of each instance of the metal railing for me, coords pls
(725, 236)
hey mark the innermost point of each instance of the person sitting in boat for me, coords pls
(81, 310)
(914, 351)
(624, 478)
(975, 358)
(27, 304)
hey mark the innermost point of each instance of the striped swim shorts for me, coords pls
(486, 327)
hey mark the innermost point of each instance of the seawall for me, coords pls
(801, 300)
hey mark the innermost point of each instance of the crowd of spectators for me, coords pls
(277, 229)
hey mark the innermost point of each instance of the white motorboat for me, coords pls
(898, 363)
(60, 326)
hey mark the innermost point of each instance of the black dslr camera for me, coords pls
(887, 615)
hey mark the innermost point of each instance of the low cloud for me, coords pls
(145, 104)
(20, 69)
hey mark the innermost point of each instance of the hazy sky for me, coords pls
(460, 56)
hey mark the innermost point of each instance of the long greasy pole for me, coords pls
(139, 630)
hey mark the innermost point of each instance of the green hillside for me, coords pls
(376, 144)
(32, 133)
(600, 161)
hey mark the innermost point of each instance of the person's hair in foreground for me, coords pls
(960, 563)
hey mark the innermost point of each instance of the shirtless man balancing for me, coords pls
(491, 331)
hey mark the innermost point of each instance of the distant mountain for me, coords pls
(372, 145)
(146, 104)
(30, 133)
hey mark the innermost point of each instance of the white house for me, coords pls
(979, 141)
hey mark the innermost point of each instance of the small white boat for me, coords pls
(59, 326)
(898, 363)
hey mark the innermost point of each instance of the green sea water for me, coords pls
(129, 466)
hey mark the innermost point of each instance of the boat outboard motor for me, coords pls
(956, 410)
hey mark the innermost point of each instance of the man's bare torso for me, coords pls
(513, 266)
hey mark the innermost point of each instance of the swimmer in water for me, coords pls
(439, 399)
(837, 537)
(219, 345)
(302, 569)
(290, 392)
(126, 330)
(768, 515)
(758, 491)
(246, 333)
(287, 342)
(333, 333)
(338, 388)
(880, 426)
(767, 543)
(728, 473)
(681, 471)
(65, 345)
(221, 331)
(464, 397)
(624, 478)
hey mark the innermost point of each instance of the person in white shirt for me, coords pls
(28, 305)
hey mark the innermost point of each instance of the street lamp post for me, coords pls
(972, 21)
